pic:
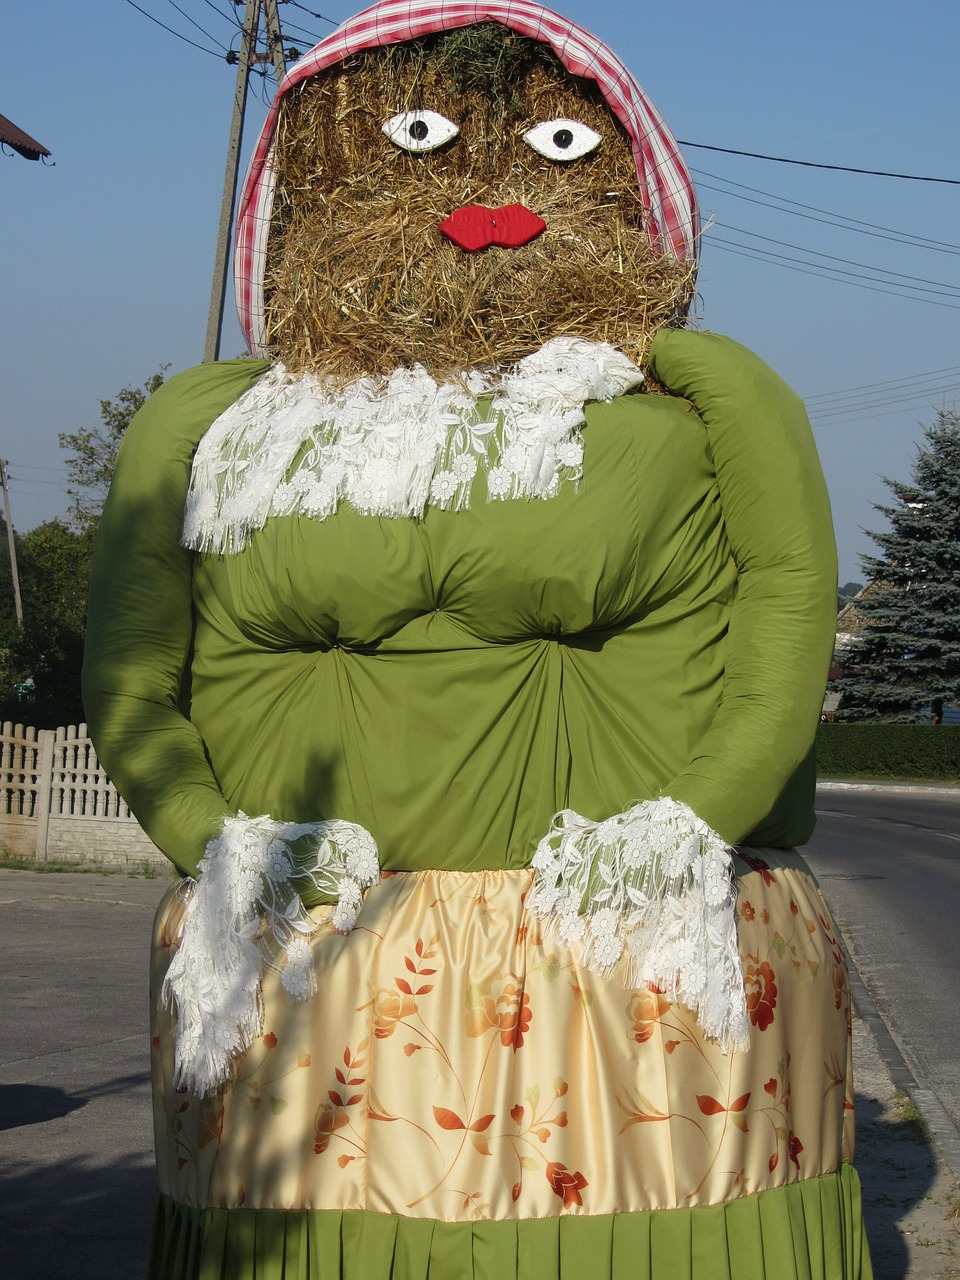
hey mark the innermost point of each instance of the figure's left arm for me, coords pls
(656, 881)
(782, 626)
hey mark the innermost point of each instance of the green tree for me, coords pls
(40, 662)
(847, 592)
(94, 451)
(907, 654)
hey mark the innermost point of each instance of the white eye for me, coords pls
(562, 139)
(420, 130)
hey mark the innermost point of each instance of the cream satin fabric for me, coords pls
(455, 1067)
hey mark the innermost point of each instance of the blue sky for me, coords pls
(109, 253)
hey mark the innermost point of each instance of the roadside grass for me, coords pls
(139, 870)
(910, 1117)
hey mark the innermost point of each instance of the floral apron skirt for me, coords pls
(460, 1098)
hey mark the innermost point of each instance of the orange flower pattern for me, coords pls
(423, 1078)
(509, 1012)
(645, 1007)
(761, 989)
(566, 1184)
(390, 1008)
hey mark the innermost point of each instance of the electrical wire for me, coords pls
(178, 34)
(183, 13)
(839, 220)
(882, 393)
(841, 411)
(868, 415)
(845, 277)
(811, 164)
(231, 15)
(26, 466)
(825, 273)
(890, 382)
(28, 480)
(938, 285)
(311, 35)
(263, 93)
(313, 14)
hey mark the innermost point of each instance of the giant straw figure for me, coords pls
(448, 648)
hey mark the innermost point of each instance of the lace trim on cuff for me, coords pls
(244, 911)
(657, 884)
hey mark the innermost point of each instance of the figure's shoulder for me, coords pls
(174, 419)
(713, 370)
(201, 394)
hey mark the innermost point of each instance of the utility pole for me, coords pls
(4, 479)
(247, 58)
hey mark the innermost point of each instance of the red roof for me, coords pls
(21, 142)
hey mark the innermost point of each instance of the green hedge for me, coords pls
(924, 752)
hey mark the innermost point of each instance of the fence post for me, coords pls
(44, 789)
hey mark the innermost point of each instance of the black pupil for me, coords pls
(562, 139)
(419, 130)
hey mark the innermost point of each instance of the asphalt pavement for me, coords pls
(889, 863)
(76, 1141)
(76, 1174)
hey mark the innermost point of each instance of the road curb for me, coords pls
(901, 788)
(927, 789)
(944, 1134)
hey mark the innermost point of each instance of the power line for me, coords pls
(939, 286)
(313, 14)
(841, 411)
(845, 277)
(311, 35)
(824, 273)
(230, 14)
(26, 482)
(178, 34)
(830, 219)
(890, 382)
(867, 415)
(811, 164)
(26, 466)
(261, 90)
(183, 13)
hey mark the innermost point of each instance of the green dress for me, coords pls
(663, 628)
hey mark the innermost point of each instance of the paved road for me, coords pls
(76, 1141)
(889, 863)
(76, 1175)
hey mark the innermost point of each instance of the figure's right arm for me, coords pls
(140, 619)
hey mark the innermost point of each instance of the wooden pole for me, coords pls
(251, 24)
(18, 604)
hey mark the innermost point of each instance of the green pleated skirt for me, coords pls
(806, 1231)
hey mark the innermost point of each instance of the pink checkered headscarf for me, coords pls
(666, 187)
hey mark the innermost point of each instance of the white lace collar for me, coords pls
(393, 446)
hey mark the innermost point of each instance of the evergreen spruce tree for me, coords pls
(907, 656)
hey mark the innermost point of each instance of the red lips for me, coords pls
(476, 227)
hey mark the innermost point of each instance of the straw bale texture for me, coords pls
(359, 279)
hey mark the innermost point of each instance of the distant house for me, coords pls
(850, 622)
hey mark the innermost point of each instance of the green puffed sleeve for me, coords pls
(140, 618)
(755, 759)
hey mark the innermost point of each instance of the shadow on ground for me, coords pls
(81, 1219)
(24, 1104)
(897, 1167)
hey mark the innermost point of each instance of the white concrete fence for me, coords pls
(57, 804)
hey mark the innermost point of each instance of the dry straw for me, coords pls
(359, 279)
